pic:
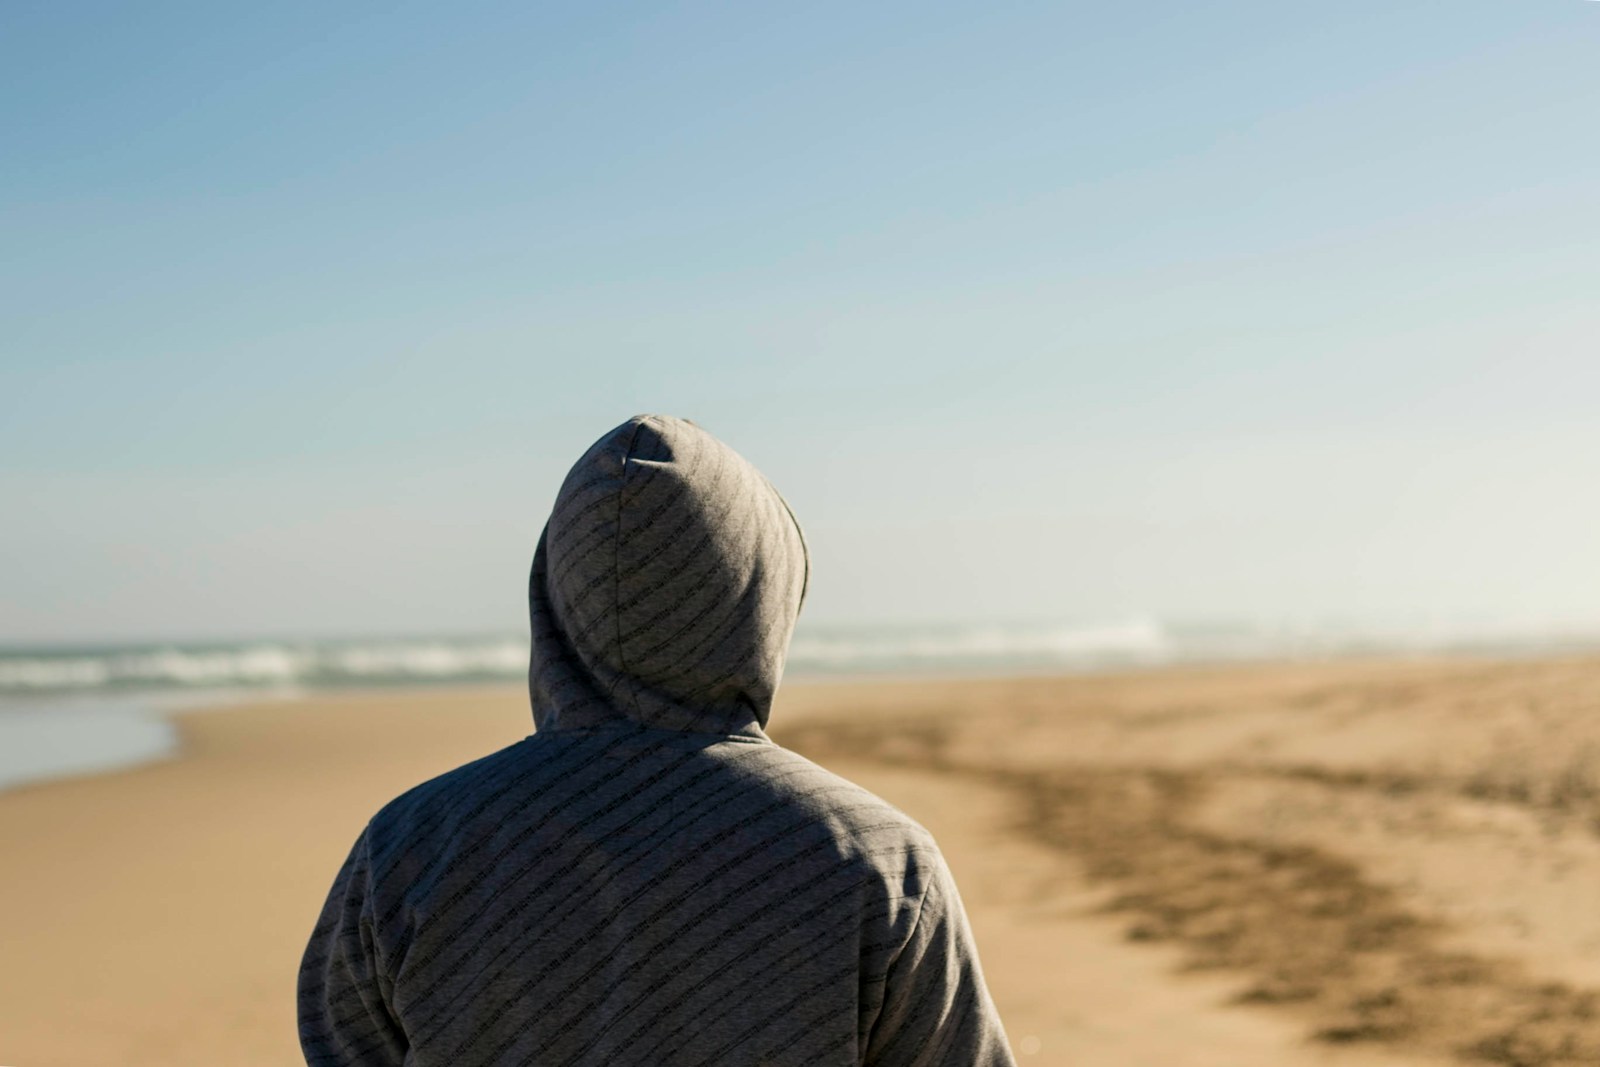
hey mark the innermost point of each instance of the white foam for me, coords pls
(816, 648)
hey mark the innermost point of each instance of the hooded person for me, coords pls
(648, 879)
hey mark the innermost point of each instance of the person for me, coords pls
(648, 879)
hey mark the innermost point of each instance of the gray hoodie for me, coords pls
(647, 879)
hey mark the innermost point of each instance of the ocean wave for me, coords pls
(816, 649)
(1137, 641)
(264, 664)
(378, 662)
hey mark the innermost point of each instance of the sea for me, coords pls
(78, 710)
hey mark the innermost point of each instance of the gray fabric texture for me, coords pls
(648, 879)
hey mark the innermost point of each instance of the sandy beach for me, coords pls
(1349, 863)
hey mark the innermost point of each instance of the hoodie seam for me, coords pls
(805, 549)
(616, 567)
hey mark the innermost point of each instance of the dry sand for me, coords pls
(1348, 864)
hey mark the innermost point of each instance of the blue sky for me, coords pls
(1067, 311)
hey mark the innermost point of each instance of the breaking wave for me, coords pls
(816, 649)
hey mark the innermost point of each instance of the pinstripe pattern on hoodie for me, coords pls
(648, 879)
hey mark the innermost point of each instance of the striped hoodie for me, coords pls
(647, 880)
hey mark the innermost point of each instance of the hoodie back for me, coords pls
(648, 879)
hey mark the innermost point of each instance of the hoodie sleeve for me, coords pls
(344, 1015)
(936, 1009)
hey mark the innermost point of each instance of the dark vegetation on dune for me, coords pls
(1304, 928)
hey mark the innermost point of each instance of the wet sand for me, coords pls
(1361, 864)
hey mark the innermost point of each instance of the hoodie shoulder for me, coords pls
(853, 813)
(423, 803)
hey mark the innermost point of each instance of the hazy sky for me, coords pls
(1034, 311)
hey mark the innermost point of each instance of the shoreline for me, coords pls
(156, 712)
(162, 710)
(166, 710)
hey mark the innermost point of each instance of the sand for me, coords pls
(1346, 864)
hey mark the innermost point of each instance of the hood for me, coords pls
(665, 586)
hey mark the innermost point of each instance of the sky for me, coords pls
(1066, 312)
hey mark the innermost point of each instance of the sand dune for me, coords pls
(1352, 864)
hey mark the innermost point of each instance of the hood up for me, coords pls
(665, 586)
